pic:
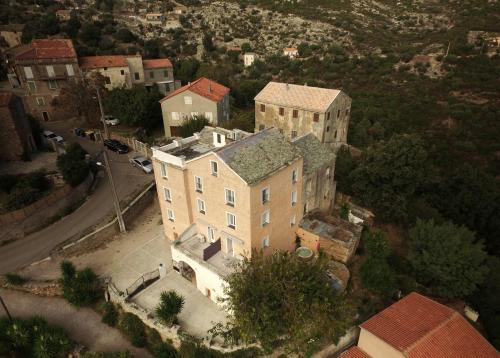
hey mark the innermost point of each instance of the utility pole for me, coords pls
(116, 200)
(5, 308)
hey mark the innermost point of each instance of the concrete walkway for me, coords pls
(82, 325)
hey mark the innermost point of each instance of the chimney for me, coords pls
(305, 84)
(189, 83)
(210, 87)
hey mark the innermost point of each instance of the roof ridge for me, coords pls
(454, 315)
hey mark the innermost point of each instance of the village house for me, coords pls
(63, 15)
(417, 326)
(159, 72)
(180, 10)
(291, 52)
(114, 69)
(154, 18)
(249, 59)
(42, 69)
(224, 193)
(298, 110)
(16, 137)
(202, 97)
(10, 35)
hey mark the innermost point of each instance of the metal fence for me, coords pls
(142, 282)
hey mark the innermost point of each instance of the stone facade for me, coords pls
(15, 132)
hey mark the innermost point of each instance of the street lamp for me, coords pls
(106, 165)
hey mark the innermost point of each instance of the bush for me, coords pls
(7, 182)
(169, 307)
(51, 342)
(21, 197)
(72, 165)
(110, 314)
(165, 350)
(134, 329)
(14, 279)
(193, 125)
(80, 288)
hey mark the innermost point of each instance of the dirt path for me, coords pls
(82, 325)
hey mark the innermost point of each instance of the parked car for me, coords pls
(116, 146)
(142, 163)
(79, 132)
(111, 121)
(49, 134)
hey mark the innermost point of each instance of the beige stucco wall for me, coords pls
(321, 194)
(200, 104)
(332, 130)
(116, 78)
(375, 347)
(13, 38)
(155, 75)
(135, 66)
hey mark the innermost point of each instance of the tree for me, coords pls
(72, 164)
(80, 98)
(185, 70)
(246, 47)
(124, 35)
(40, 27)
(169, 307)
(51, 342)
(165, 350)
(193, 125)
(390, 174)
(344, 166)
(80, 288)
(446, 258)
(208, 43)
(135, 106)
(134, 328)
(282, 299)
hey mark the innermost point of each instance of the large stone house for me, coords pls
(42, 69)
(299, 110)
(418, 327)
(16, 137)
(114, 69)
(202, 97)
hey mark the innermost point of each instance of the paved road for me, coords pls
(82, 325)
(38, 245)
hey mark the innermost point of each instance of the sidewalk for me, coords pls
(82, 325)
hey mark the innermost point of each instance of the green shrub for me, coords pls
(107, 355)
(14, 279)
(110, 314)
(169, 307)
(51, 342)
(165, 350)
(193, 125)
(72, 165)
(21, 197)
(134, 329)
(7, 182)
(80, 288)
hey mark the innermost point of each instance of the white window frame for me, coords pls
(188, 100)
(175, 116)
(295, 176)
(228, 222)
(211, 234)
(30, 84)
(164, 170)
(69, 70)
(50, 71)
(294, 198)
(209, 116)
(40, 101)
(52, 84)
(214, 164)
(268, 190)
(201, 206)
(265, 218)
(167, 193)
(198, 184)
(265, 242)
(292, 221)
(226, 191)
(171, 215)
(28, 73)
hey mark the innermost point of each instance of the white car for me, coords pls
(142, 163)
(111, 121)
(52, 136)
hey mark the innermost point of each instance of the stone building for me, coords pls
(42, 69)
(298, 110)
(159, 72)
(224, 193)
(202, 97)
(16, 137)
(114, 69)
(10, 35)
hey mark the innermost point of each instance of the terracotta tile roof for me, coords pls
(354, 352)
(203, 87)
(91, 62)
(157, 63)
(305, 97)
(5, 98)
(420, 327)
(290, 49)
(48, 49)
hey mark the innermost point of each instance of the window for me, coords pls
(265, 218)
(188, 100)
(292, 221)
(262, 107)
(309, 185)
(265, 242)
(31, 85)
(209, 116)
(151, 75)
(282, 111)
(40, 101)
(170, 215)
(213, 168)
(295, 176)
(328, 128)
(231, 220)
(316, 117)
(194, 114)
(218, 138)
(265, 195)
(198, 184)
(69, 70)
(137, 76)
(165, 73)
(230, 197)
(294, 134)
(327, 172)
(52, 84)
(328, 116)
(168, 194)
(107, 80)
(294, 198)
(295, 113)
(163, 168)
(211, 234)
(281, 131)
(175, 116)
(28, 72)
(122, 72)
(262, 127)
(50, 71)
(201, 206)
(338, 113)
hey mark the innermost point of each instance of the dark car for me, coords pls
(116, 146)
